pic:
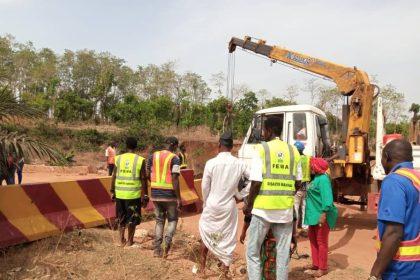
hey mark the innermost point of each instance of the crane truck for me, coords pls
(351, 162)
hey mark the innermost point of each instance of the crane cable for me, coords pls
(230, 85)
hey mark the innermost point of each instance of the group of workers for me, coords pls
(130, 175)
(14, 166)
(282, 183)
(276, 171)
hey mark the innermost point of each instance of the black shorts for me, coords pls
(128, 211)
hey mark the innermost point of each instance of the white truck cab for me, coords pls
(304, 123)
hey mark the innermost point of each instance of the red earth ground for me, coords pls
(351, 244)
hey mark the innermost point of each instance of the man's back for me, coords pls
(399, 203)
(220, 179)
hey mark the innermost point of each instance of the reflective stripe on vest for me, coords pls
(409, 250)
(413, 175)
(306, 168)
(279, 174)
(183, 159)
(127, 178)
(161, 177)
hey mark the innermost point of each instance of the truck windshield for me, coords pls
(255, 136)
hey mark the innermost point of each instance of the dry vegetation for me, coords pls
(94, 254)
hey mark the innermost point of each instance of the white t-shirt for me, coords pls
(271, 216)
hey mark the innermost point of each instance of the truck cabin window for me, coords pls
(299, 126)
(256, 130)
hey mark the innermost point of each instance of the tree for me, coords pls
(217, 110)
(244, 110)
(277, 101)
(195, 87)
(156, 80)
(263, 95)
(6, 60)
(218, 80)
(291, 93)
(393, 103)
(17, 144)
(415, 108)
(312, 87)
(24, 60)
(239, 91)
(329, 100)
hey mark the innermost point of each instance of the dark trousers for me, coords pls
(10, 180)
(110, 169)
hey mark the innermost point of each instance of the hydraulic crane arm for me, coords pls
(350, 81)
(346, 78)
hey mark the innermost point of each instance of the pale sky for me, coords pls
(380, 37)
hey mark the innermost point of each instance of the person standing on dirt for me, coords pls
(183, 156)
(129, 190)
(20, 164)
(110, 157)
(219, 221)
(165, 192)
(11, 169)
(301, 191)
(274, 172)
(321, 216)
(398, 216)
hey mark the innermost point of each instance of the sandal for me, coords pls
(310, 267)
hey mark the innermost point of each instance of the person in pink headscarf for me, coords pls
(320, 215)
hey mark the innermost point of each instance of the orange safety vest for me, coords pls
(409, 250)
(161, 177)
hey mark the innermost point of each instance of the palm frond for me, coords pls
(10, 107)
(22, 146)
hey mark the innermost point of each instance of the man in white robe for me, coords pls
(219, 220)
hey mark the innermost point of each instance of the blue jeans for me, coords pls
(257, 231)
(165, 210)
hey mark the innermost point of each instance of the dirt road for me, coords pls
(351, 244)
(94, 254)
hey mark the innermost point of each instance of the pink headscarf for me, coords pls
(318, 165)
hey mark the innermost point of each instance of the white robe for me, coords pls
(219, 221)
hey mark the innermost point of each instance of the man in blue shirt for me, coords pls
(398, 216)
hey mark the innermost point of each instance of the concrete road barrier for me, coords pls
(34, 211)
